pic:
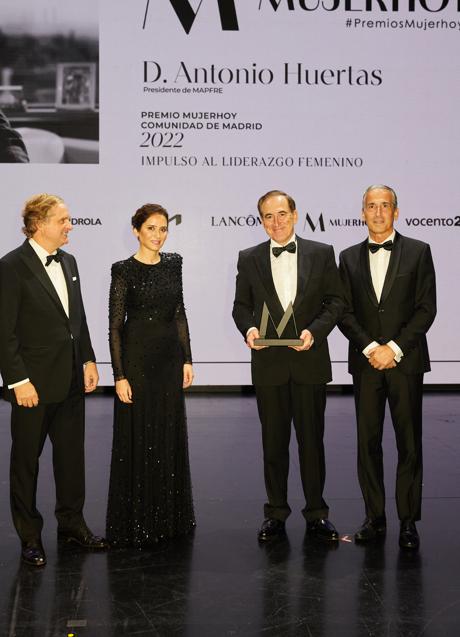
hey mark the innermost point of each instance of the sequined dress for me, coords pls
(150, 495)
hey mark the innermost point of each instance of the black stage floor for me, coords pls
(221, 582)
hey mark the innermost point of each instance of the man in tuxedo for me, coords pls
(47, 363)
(12, 148)
(390, 293)
(290, 382)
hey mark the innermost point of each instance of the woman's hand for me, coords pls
(188, 375)
(124, 392)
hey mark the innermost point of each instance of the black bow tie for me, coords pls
(290, 247)
(53, 257)
(375, 247)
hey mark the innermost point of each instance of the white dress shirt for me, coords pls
(56, 275)
(379, 262)
(284, 273)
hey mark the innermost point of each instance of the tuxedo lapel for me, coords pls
(69, 282)
(365, 272)
(35, 265)
(393, 267)
(304, 268)
(262, 259)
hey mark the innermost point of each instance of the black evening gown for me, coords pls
(150, 495)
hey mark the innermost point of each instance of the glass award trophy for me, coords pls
(270, 342)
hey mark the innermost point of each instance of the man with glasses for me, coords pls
(390, 293)
(290, 382)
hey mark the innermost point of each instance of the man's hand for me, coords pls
(124, 391)
(26, 395)
(307, 338)
(91, 377)
(188, 376)
(253, 334)
(382, 357)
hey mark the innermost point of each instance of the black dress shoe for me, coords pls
(322, 529)
(271, 529)
(83, 537)
(371, 530)
(408, 536)
(32, 553)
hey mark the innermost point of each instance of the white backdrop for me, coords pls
(321, 103)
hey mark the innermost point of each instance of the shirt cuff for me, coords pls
(250, 330)
(367, 350)
(396, 349)
(20, 382)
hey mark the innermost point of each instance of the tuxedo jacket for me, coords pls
(317, 307)
(406, 310)
(37, 339)
(12, 148)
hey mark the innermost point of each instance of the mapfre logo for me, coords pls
(187, 14)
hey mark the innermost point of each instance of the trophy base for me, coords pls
(280, 342)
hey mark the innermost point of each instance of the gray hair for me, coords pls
(381, 187)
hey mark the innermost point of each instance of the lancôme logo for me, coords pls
(187, 14)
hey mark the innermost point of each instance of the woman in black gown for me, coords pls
(150, 494)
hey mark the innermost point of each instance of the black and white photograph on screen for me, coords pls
(49, 97)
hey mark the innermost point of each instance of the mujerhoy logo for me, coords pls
(187, 14)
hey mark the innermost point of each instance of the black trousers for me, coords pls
(303, 405)
(64, 423)
(404, 394)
